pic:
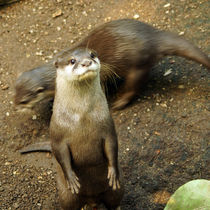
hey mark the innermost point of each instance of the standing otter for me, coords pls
(83, 136)
(129, 48)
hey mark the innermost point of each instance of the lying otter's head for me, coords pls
(33, 86)
(78, 65)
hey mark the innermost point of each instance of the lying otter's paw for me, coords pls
(73, 183)
(113, 178)
(123, 101)
(120, 104)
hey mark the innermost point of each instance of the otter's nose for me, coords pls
(86, 63)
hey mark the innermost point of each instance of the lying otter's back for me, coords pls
(125, 43)
(135, 42)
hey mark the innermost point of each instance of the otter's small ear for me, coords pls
(39, 89)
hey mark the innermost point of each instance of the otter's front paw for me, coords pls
(113, 179)
(73, 183)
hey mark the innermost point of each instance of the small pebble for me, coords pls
(84, 13)
(147, 134)
(172, 61)
(169, 71)
(5, 87)
(57, 13)
(15, 173)
(16, 205)
(157, 133)
(49, 172)
(163, 105)
(39, 53)
(181, 87)
(136, 16)
(34, 117)
(89, 27)
(50, 56)
(167, 5)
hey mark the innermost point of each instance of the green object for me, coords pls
(194, 195)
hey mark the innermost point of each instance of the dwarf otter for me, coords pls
(129, 48)
(83, 136)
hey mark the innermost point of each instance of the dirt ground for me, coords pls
(163, 135)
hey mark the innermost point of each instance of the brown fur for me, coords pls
(128, 48)
(84, 140)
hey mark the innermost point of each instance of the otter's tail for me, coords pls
(172, 44)
(37, 147)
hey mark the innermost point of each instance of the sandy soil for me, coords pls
(163, 135)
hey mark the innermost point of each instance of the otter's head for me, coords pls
(33, 86)
(78, 65)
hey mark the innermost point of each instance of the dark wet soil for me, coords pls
(163, 135)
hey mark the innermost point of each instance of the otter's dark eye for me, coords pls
(92, 55)
(72, 61)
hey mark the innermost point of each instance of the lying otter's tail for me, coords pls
(172, 44)
(37, 147)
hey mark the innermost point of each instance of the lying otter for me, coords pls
(126, 48)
